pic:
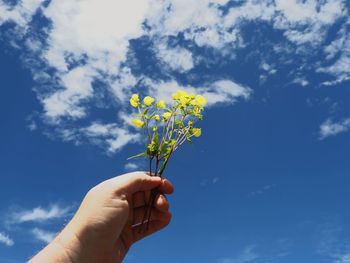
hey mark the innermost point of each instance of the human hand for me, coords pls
(108, 221)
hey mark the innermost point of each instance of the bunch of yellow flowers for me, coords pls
(167, 127)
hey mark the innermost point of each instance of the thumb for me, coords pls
(135, 182)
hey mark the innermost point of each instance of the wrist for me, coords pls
(70, 246)
(65, 248)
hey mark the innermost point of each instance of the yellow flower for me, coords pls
(185, 101)
(166, 115)
(156, 117)
(179, 94)
(161, 104)
(135, 101)
(196, 132)
(197, 111)
(148, 101)
(138, 123)
(200, 101)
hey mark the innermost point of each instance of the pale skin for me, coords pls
(107, 222)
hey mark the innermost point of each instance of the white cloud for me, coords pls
(305, 22)
(250, 10)
(295, 11)
(338, 49)
(247, 255)
(268, 68)
(342, 258)
(226, 91)
(112, 135)
(177, 58)
(40, 214)
(66, 102)
(183, 14)
(6, 240)
(330, 128)
(98, 33)
(222, 91)
(201, 21)
(301, 81)
(131, 167)
(21, 14)
(44, 236)
(339, 44)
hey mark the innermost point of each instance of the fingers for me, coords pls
(160, 210)
(135, 182)
(162, 203)
(132, 183)
(141, 199)
(166, 187)
(160, 216)
(140, 232)
(156, 214)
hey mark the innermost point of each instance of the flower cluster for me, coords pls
(167, 126)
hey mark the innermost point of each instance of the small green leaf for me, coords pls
(144, 154)
(156, 138)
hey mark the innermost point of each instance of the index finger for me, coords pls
(135, 182)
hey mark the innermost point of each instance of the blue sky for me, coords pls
(268, 180)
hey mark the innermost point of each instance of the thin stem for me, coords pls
(145, 212)
(165, 162)
(154, 194)
(165, 132)
(182, 139)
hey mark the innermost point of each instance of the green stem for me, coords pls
(153, 196)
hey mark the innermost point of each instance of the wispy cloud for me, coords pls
(222, 91)
(131, 167)
(332, 240)
(330, 128)
(263, 190)
(338, 53)
(110, 136)
(345, 258)
(40, 214)
(6, 240)
(176, 58)
(42, 235)
(21, 14)
(247, 255)
(211, 181)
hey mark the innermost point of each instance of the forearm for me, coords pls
(63, 249)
